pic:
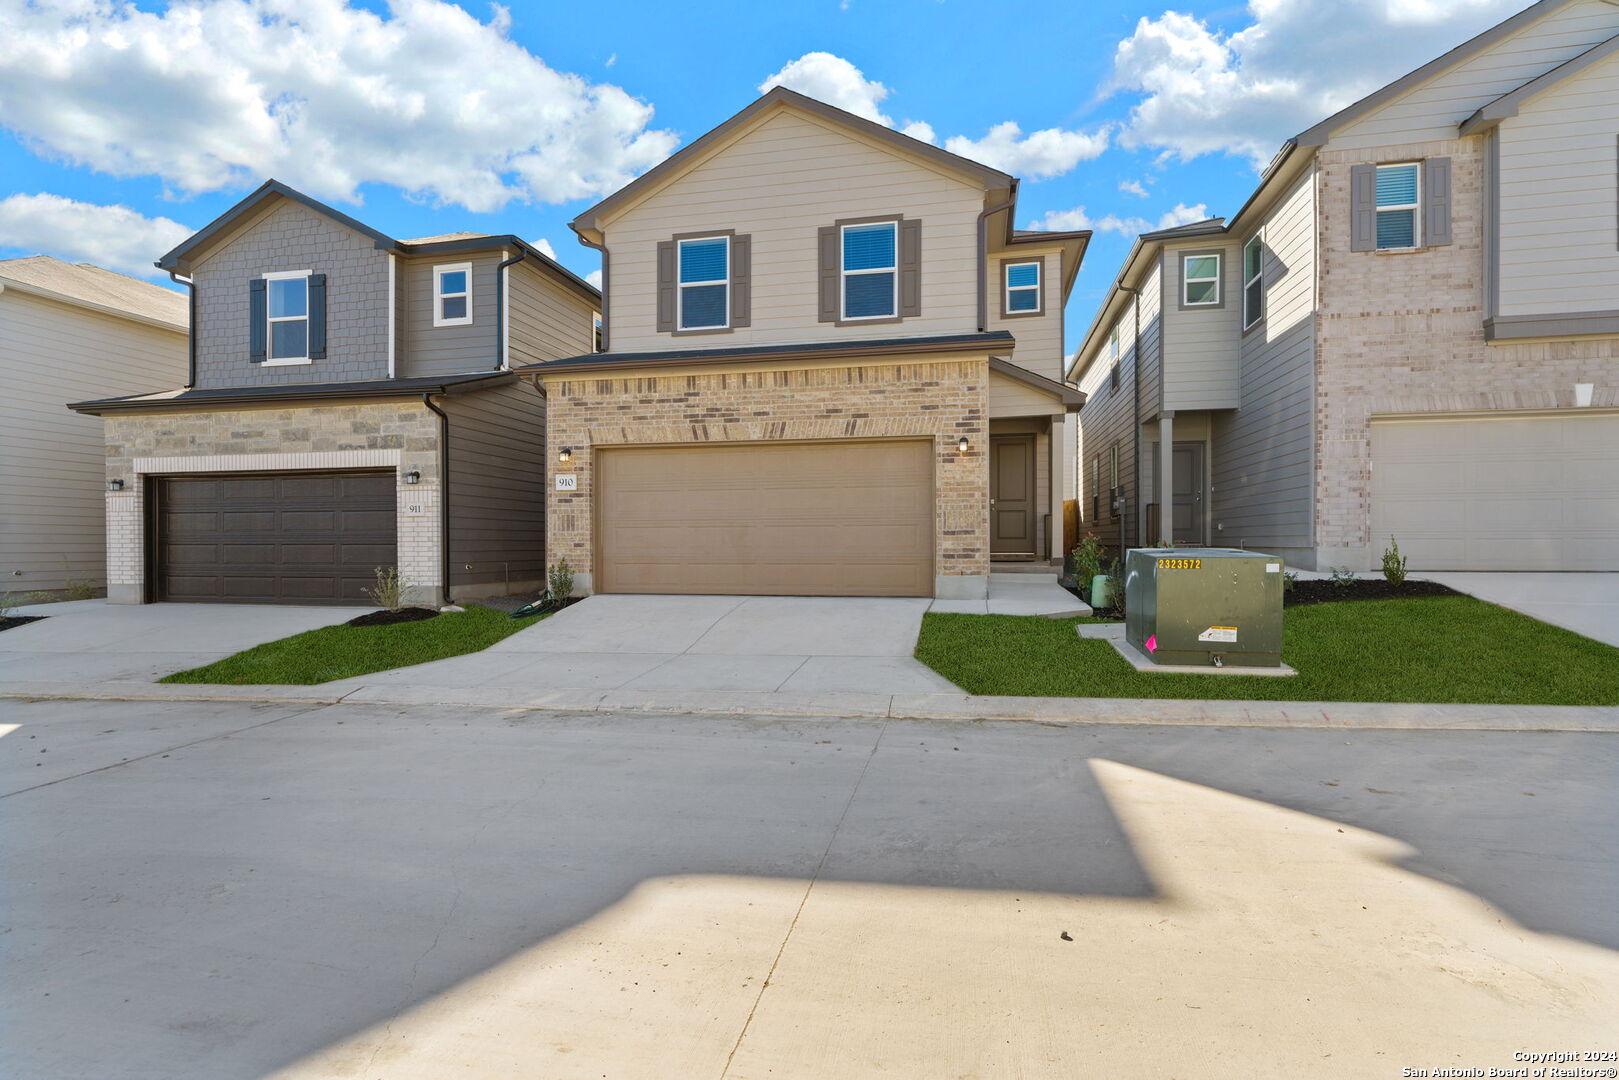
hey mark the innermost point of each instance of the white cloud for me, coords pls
(214, 94)
(1133, 187)
(1204, 91)
(1077, 218)
(543, 246)
(595, 278)
(1038, 155)
(112, 237)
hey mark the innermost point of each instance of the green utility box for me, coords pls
(1210, 606)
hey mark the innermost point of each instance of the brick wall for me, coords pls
(946, 400)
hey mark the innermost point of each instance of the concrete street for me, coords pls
(221, 890)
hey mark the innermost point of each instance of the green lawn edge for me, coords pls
(343, 652)
(1420, 650)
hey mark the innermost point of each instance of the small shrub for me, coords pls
(389, 591)
(11, 601)
(1342, 576)
(81, 588)
(1290, 578)
(1115, 587)
(1087, 560)
(1393, 563)
(559, 581)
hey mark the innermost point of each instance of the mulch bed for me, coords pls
(1325, 591)
(18, 620)
(388, 618)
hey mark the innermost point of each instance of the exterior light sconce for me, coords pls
(566, 454)
(961, 445)
(413, 477)
(115, 485)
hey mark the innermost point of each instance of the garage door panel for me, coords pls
(833, 519)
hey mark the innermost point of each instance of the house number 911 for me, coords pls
(568, 482)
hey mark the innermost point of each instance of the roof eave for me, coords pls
(486, 243)
(105, 309)
(177, 259)
(309, 392)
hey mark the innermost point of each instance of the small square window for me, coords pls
(452, 295)
(1200, 280)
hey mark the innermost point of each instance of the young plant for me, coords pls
(1087, 560)
(81, 588)
(1342, 576)
(559, 581)
(1393, 563)
(1115, 586)
(1290, 578)
(389, 591)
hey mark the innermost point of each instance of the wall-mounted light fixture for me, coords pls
(566, 454)
(115, 485)
(961, 445)
(413, 477)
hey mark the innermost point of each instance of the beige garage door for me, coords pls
(807, 519)
(1534, 492)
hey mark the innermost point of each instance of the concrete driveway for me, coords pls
(223, 891)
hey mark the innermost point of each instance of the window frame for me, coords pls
(1415, 208)
(270, 320)
(439, 295)
(844, 275)
(1038, 288)
(1113, 352)
(707, 283)
(1248, 282)
(1219, 280)
(1113, 477)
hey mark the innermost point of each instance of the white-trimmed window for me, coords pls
(1200, 280)
(452, 294)
(1113, 359)
(1399, 206)
(1253, 282)
(705, 283)
(1023, 288)
(286, 308)
(870, 270)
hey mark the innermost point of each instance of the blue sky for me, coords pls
(127, 126)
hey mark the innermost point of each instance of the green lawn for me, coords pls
(342, 652)
(1428, 649)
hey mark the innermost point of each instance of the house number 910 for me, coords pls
(568, 482)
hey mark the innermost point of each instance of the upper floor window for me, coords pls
(1399, 205)
(452, 295)
(596, 331)
(1113, 359)
(705, 283)
(1200, 280)
(871, 270)
(287, 316)
(1253, 282)
(1023, 288)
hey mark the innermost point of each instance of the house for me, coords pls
(69, 330)
(350, 405)
(1409, 330)
(831, 367)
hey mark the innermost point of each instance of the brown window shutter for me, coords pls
(741, 280)
(1363, 208)
(1435, 202)
(910, 269)
(666, 286)
(828, 249)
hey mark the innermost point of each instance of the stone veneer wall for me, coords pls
(944, 399)
(1403, 333)
(401, 435)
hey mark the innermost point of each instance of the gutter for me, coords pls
(443, 492)
(502, 346)
(606, 266)
(983, 255)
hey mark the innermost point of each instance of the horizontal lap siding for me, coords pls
(497, 486)
(426, 349)
(1105, 418)
(1200, 343)
(548, 322)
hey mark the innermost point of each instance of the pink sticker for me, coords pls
(1152, 643)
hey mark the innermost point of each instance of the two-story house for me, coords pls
(1409, 330)
(350, 405)
(831, 367)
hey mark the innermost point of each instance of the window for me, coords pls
(287, 313)
(596, 332)
(1253, 282)
(1200, 280)
(452, 295)
(1113, 478)
(1096, 487)
(1399, 200)
(871, 271)
(705, 283)
(1023, 288)
(1113, 359)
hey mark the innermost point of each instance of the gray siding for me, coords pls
(548, 321)
(290, 236)
(1199, 343)
(497, 488)
(425, 349)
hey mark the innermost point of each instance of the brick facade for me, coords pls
(942, 399)
(399, 435)
(1402, 332)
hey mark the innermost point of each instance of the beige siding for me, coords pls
(548, 321)
(1262, 453)
(1200, 344)
(425, 349)
(1009, 397)
(496, 490)
(779, 183)
(1558, 192)
(53, 485)
(1432, 110)
(1039, 337)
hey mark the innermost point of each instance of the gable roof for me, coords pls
(776, 98)
(87, 286)
(203, 237)
(1507, 104)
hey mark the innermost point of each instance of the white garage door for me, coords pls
(1533, 492)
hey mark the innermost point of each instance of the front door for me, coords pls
(1188, 495)
(1011, 495)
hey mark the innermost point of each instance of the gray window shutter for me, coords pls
(1435, 202)
(910, 269)
(828, 248)
(257, 316)
(1363, 208)
(741, 280)
(317, 316)
(666, 286)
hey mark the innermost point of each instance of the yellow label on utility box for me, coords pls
(1180, 564)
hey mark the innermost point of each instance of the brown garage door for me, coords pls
(272, 538)
(805, 519)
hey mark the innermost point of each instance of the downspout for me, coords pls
(983, 255)
(606, 281)
(191, 328)
(443, 492)
(502, 352)
(1135, 406)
